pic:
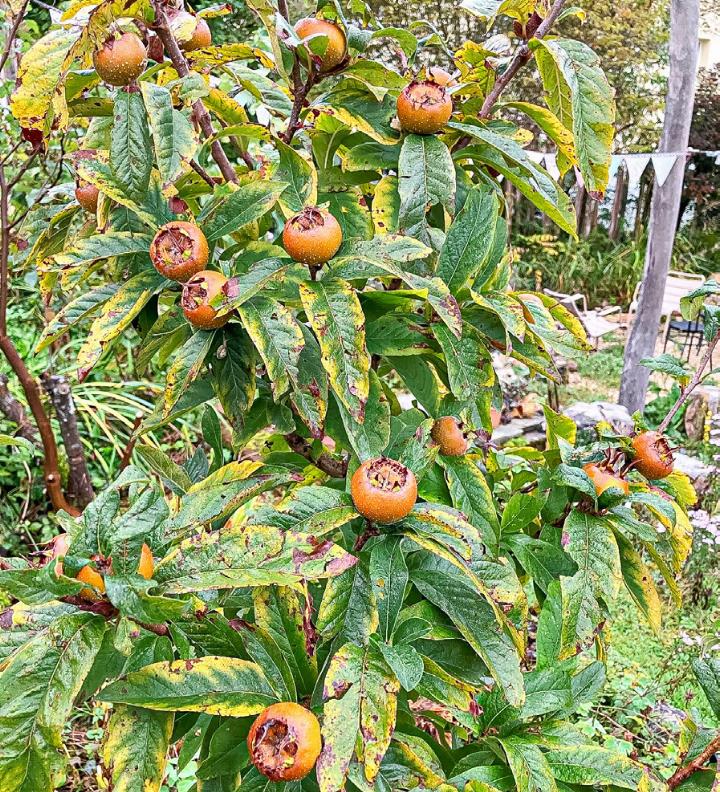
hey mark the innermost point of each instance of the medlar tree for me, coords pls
(359, 591)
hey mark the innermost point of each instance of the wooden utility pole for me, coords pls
(684, 25)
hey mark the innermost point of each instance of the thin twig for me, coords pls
(694, 382)
(14, 411)
(162, 28)
(337, 468)
(683, 773)
(201, 172)
(12, 33)
(129, 448)
(522, 56)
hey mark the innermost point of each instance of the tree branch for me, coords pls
(12, 33)
(58, 389)
(694, 382)
(162, 28)
(522, 56)
(683, 773)
(14, 411)
(337, 468)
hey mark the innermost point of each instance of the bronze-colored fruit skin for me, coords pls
(376, 504)
(336, 50)
(93, 578)
(312, 245)
(305, 730)
(184, 268)
(201, 37)
(424, 108)
(120, 61)
(87, 196)
(204, 316)
(603, 480)
(146, 567)
(653, 457)
(446, 432)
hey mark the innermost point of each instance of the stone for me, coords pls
(588, 414)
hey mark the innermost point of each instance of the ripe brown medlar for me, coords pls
(120, 60)
(424, 107)
(336, 50)
(284, 741)
(179, 250)
(87, 196)
(448, 434)
(197, 295)
(312, 236)
(653, 455)
(383, 490)
(441, 76)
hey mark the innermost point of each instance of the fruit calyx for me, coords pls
(179, 250)
(653, 455)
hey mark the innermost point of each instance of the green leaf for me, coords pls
(337, 319)
(589, 540)
(469, 241)
(355, 106)
(360, 697)
(507, 157)
(475, 619)
(529, 767)
(405, 663)
(670, 365)
(591, 765)
(174, 139)
(426, 178)
(300, 176)
(370, 437)
(224, 491)
(39, 685)
(639, 582)
(102, 246)
(707, 671)
(350, 209)
(85, 304)
(130, 158)
(246, 285)
(553, 127)
(278, 611)
(135, 748)
(546, 690)
(348, 607)
(118, 312)
(471, 494)
(234, 376)
(249, 202)
(159, 462)
(575, 84)
(386, 206)
(255, 555)
(216, 685)
(468, 360)
(389, 576)
(277, 337)
(186, 366)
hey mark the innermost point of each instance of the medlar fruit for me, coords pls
(179, 250)
(312, 236)
(446, 432)
(120, 60)
(284, 741)
(197, 294)
(336, 50)
(604, 479)
(383, 490)
(424, 107)
(653, 455)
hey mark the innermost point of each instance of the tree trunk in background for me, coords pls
(684, 23)
(618, 207)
